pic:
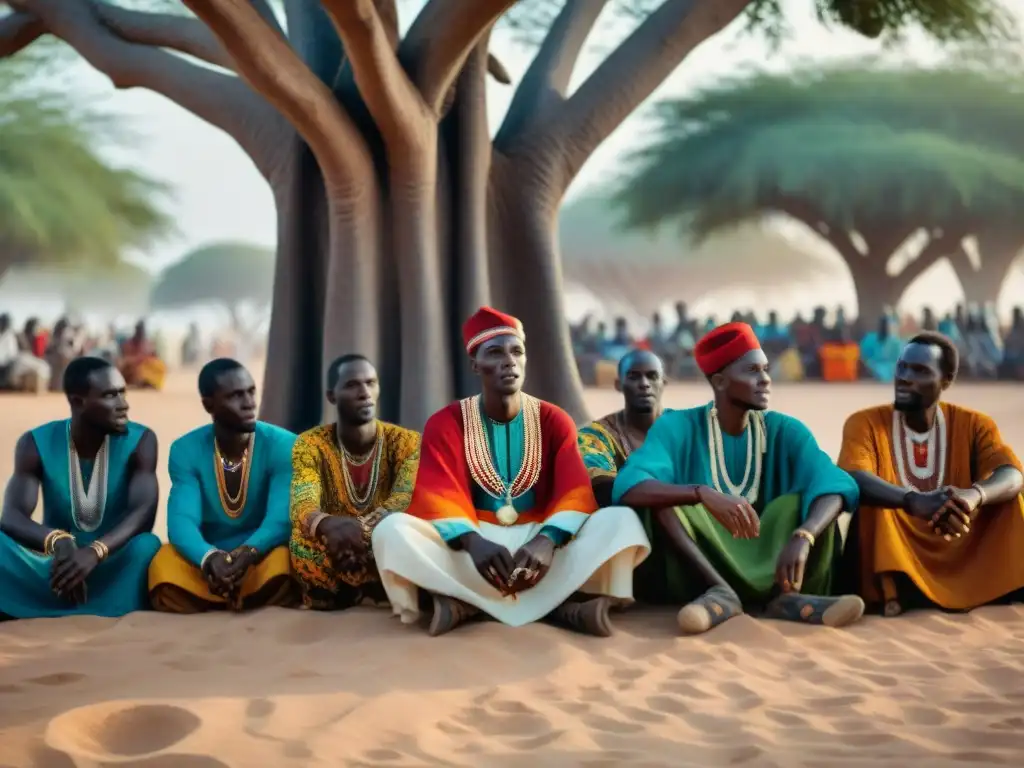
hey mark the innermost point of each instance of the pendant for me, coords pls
(507, 515)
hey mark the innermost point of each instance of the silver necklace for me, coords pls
(88, 506)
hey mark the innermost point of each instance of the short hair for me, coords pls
(333, 369)
(949, 361)
(627, 360)
(79, 372)
(209, 375)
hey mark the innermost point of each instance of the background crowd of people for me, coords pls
(827, 347)
(33, 359)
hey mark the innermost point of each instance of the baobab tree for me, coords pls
(398, 213)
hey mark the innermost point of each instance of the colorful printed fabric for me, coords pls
(601, 447)
(444, 494)
(318, 485)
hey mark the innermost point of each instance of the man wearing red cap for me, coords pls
(742, 502)
(503, 520)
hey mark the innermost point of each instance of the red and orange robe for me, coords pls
(537, 455)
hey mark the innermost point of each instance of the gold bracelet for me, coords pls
(101, 549)
(52, 538)
(807, 536)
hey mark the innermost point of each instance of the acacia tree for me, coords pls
(229, 275)
(398, 214)
(867, 158)
(60, 201)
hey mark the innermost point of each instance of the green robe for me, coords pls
(795, 472)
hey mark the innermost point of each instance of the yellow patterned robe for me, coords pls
(318, 485)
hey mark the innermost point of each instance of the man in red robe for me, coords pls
(503, 520)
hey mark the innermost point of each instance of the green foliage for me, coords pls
(60, 201)
(948, 21)
(228, 274)
(862, 145)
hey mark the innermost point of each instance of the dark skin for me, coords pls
(232, 407)
(920, 382)
(501, 365)
(641, 381)
(354, 397)
(740, 388)
(102, 411)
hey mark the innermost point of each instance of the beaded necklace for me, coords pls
(88, 506)
(756, 447)
(481, 463)
(931, 475)
(233, 505)
(361, 501)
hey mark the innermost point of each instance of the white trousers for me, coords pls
(600, 560)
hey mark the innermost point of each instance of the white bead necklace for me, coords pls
(87, 507)
(903, 441)
(756, 447)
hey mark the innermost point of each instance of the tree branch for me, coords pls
(437, 44)
(17, 31)
(946, 243)
(633, 71)
(164, 30)
(266, 60)
(389, 95)
(546, 82)
(220, 99)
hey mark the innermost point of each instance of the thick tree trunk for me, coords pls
(998, 252)
(524, 246)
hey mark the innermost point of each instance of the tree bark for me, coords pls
(397, 217)
(998, 251)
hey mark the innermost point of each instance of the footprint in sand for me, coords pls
(9, 689)
(186, 664)
(59, 678)
(257, 709)
(126, 731)
(172, 761)
(45, 757)
(305, 630)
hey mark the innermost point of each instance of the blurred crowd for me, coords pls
(827, 346)
(33, 358)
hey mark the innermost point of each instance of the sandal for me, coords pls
(709, 610)
(814, 609)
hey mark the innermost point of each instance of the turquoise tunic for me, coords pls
(196, 520)
(118, 585)
(795, 472)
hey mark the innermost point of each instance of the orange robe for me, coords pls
(964, 573)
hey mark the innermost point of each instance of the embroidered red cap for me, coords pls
(488, 323)
(724, 345)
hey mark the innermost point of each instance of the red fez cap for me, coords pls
(488, 323)
(724, 345)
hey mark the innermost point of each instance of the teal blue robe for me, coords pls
(795, 473)
(118, 585)
(196, 520)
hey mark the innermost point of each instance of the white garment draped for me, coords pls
(600, 560)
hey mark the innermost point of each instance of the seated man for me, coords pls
(227, 514)
(606, 443)
(503, 519)
(941, 518)
(97, 472)
(745, 501)
(346, 477)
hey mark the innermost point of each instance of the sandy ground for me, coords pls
(285, 688)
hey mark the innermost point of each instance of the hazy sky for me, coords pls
(219, 195)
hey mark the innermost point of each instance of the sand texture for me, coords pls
(288, 688)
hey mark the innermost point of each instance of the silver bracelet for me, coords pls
(981, 492)
(208, 555)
